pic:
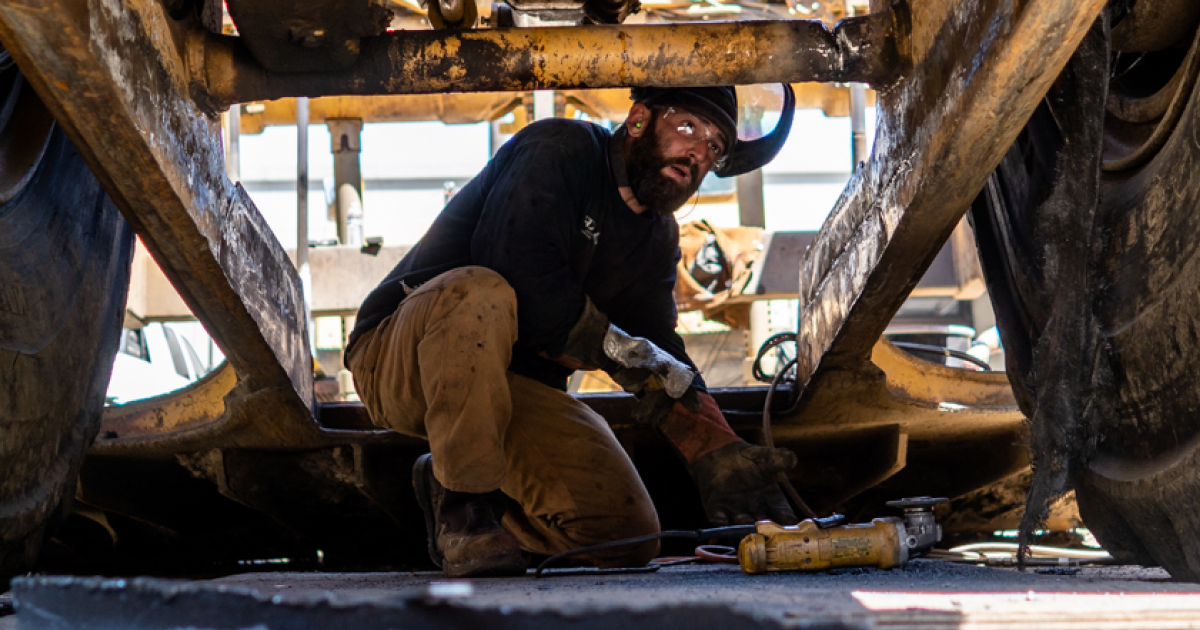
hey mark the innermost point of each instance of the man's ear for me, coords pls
(635, 123)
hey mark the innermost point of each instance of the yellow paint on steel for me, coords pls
(610, 104)
(573, 56)
(917, 380)
(194, 407)
(448, 108)
(581, 57)
(897, 389)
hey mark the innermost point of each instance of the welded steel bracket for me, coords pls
(978, 71)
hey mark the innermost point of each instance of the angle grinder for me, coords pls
(822, 544)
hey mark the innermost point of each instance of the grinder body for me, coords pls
(807, 547)
(819, 544)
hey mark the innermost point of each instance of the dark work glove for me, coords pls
(737, 484)
(653, 402)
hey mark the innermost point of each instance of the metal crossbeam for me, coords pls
(864, 49)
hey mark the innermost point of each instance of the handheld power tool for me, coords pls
(819, 544)
(814, 545)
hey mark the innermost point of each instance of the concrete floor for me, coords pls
(924, 594)
(727, 583)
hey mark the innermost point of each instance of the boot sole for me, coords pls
(422, 472)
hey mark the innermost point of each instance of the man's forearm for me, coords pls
(736, 480)
(696, 434)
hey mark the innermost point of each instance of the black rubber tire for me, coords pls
(65, 255)
(1138, 484)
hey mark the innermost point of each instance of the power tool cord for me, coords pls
(798, 503)
(731, 531)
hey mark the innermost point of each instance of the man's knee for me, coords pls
(478, 293)
(631, 525)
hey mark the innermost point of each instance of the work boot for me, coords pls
(464, 533)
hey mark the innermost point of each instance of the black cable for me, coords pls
(940, 351)
(771, 343)
(769, 439)
(731, 531)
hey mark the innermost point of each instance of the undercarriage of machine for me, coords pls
(1098, 324)
(245, 463)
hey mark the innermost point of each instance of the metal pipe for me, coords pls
(858, 114)
(346, 139)
(302, 185)
(863, 49)
(858, 124)
(302, 212)
(751, 207)
(495, 138)
(233, 144)
(543, 104)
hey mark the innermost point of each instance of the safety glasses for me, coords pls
(695, 129)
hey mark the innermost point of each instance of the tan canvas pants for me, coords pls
(437, 369)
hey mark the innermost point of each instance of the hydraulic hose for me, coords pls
(1034, 550)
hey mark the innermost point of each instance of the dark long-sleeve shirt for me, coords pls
(546, 215)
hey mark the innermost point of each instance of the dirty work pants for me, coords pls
(437, 369)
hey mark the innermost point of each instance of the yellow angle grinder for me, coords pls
(822, 544)
(813, 545)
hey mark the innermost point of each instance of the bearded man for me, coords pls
(559, 256)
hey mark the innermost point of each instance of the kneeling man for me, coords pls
(560, 256)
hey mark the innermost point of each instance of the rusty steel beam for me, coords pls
(113, 77)
(864, 49)
(979, 70)
(613, 104)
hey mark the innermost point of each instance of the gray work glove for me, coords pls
(655, 377)
(637, 365)
(737, 484)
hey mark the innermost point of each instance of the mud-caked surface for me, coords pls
(923, 594)
(849, 595)
(727, 583)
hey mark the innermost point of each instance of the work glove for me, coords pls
(637, 365)
(657, 379)
(737, 484)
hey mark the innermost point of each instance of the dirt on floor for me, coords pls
(866, 595)
(923, 594)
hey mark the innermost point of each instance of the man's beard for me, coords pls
(652, 188)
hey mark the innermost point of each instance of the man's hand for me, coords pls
(737, 484)
(654, 403)
(637, 365)
(645, 366)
